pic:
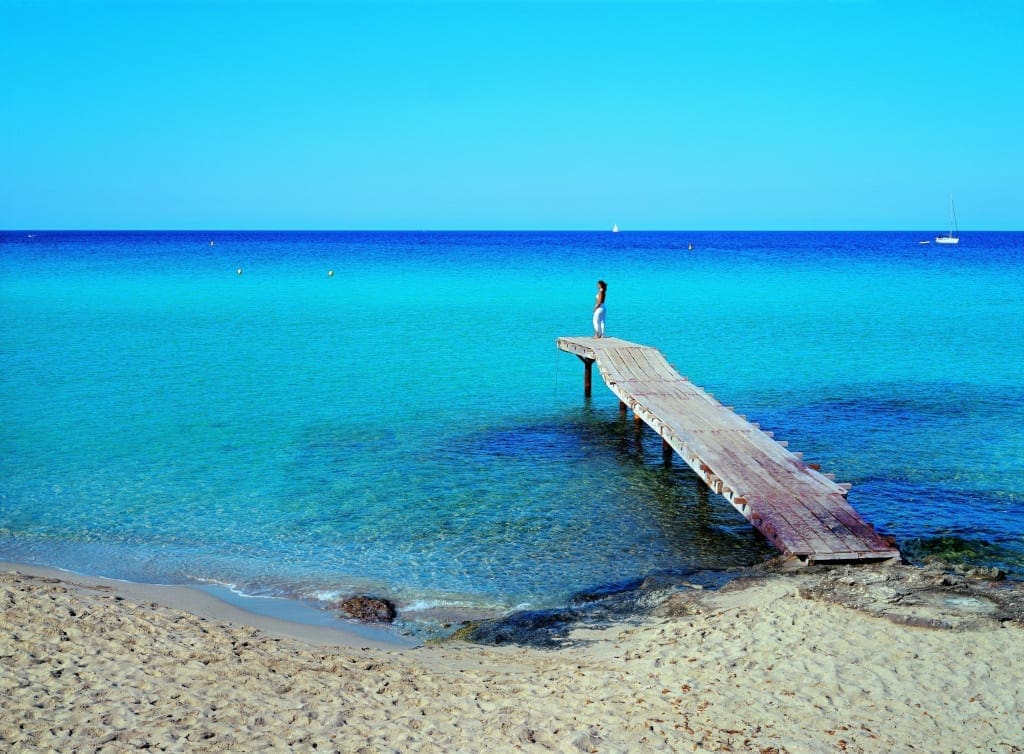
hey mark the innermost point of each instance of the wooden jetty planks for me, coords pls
(800, 510)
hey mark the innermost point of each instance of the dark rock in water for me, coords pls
(466, 631)
(600, 606)
(546, 629)
(972, 555)
(604, 591)
(368, 609)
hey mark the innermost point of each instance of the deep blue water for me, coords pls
(176, 411)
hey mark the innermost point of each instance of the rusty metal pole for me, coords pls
(588, 368)
(622, 407)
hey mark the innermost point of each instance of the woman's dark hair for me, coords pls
(604, 285)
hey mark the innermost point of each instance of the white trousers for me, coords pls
(599, 321)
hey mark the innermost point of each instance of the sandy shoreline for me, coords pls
(797, 663)
(198, 602)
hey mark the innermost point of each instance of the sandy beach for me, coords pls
(886, 659)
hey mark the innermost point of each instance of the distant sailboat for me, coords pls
(954, 231)
(615, 228)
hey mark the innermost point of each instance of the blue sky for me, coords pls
(511, 115)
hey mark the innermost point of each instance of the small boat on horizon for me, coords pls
(615, 228)
(954, 231)
(924, 243)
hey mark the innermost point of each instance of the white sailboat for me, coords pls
(954, 231)
(615, 228)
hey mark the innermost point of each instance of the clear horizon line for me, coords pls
(501, 230)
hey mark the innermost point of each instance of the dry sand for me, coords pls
(782, 664)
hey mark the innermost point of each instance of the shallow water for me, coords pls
(406, 426)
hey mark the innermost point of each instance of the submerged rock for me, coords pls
(545, 629)
(598, 607)
(368, 609)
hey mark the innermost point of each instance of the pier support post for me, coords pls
(588, 369)
(622, 407)
(666, 452)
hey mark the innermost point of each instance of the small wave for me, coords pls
(230, 586)
(331, 596)
(423, 605)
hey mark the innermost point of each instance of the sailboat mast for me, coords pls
(953, 237)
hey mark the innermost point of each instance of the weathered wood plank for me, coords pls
(800, 510)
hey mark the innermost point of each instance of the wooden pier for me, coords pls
(803, 512)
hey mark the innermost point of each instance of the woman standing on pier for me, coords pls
(602, 290)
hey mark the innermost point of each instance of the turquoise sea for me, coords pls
(216, 408)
